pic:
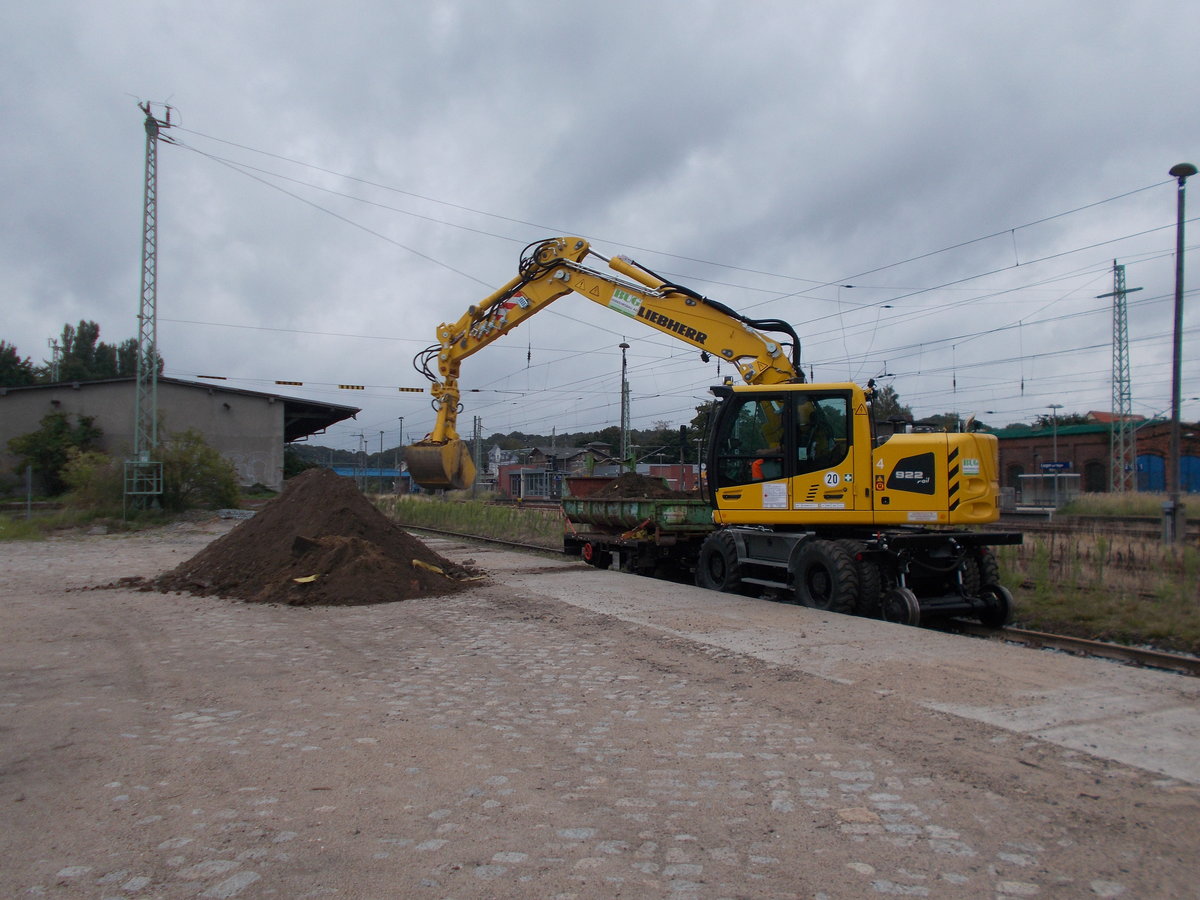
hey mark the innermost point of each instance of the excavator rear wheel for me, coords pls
(870, 579)
(825, 577)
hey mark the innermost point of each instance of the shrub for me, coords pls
(49, 448)
(94, 481)
(195, 475)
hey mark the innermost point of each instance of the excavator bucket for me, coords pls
(446, 465)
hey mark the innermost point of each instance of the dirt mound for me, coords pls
(633, 485)
(320, 542)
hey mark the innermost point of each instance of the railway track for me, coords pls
(1140, 527)
(1133, 656)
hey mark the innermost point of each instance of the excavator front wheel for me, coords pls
(717, 566)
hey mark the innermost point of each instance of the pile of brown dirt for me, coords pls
(630, 485)
(322, 526)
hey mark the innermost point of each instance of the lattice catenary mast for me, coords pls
(1123, 438)
(143, 476)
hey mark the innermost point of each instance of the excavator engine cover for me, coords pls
(446, 465)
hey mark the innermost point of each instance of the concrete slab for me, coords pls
(1140, 717)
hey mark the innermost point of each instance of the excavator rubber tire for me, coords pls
(825, 577)
(870, 580)
(717, 564)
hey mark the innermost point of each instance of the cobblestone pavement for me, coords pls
(502, 743)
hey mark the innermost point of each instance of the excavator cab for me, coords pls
(780, 449)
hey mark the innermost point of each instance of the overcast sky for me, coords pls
(347, 176)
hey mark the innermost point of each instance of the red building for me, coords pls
(1086, 451)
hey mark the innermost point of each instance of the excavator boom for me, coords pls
(549, 270)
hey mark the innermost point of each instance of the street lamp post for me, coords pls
(1054, 408)
(1174, 522)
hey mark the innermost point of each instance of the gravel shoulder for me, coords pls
(503, 742)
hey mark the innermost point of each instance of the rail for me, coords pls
(1135, 656)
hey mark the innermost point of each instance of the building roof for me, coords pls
(569, 452)
(301, 418)
(1004, 433)
(1096, 415)
(1097, 428)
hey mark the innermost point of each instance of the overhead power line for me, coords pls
(816, 283)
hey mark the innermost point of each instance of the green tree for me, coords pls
(78, 347)
(15, 371)
(947, 421)
(1048, 421)
(702, 421)
(887, 406)
(127, 356)
(49, 448)
(86, 358)
(195, 474)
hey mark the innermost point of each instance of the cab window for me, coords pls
(821, 428)
(750, 445)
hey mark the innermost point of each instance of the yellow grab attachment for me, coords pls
(445, 464)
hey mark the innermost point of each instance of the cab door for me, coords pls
(748, 458)
(823, 487)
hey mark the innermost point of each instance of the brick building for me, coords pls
(1085, 450)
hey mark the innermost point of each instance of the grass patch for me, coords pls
(19, 528)
(526, 525)
(1109, 587)
(15, 527)
(1127, 505)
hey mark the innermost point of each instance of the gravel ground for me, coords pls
(506, 743)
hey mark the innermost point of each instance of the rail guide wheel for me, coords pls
(998, 609)
(900, 605)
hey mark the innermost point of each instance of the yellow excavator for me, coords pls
(806, 497)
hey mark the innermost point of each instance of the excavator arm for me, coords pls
(551, 269)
